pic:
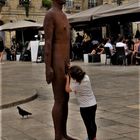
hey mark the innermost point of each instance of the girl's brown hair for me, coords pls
(77, 73)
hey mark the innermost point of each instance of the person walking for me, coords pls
(81, 86)
(57, 59)
(1, 49)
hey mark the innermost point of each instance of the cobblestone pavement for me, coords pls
(116, 89)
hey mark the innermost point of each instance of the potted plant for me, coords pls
(47, 3)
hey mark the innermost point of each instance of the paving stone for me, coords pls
(134, 135)
(122, 138)
(106, 135)
(121, 129)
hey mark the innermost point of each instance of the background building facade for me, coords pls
(11, 10)
(34, 10)
(14, 10)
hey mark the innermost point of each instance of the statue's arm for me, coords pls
(48, 49)
(67, 62)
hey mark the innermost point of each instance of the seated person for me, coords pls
(122, 43)
(109, 45)
(98, 50)
(79, 38)
(13, 52)
(8, 52)
(130, 43)
(136, 51)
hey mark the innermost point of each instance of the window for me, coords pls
(77, 6)
(69, 4)
(92, 3)
(22, 2)
(119, 2)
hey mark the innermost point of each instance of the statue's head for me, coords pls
(61, 2)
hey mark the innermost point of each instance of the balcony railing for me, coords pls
(119, 2)
(23, 2)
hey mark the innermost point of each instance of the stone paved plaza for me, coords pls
(117, 90)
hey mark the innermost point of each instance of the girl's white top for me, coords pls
(84, 92)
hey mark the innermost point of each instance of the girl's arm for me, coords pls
(67, 86)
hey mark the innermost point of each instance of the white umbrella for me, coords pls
(19, 25)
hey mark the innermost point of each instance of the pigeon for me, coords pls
(23, 112)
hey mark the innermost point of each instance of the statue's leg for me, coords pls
(65, 116)
(58, 110)
(57, 120)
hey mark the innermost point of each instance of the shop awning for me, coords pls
(88, 15)
(131, 7)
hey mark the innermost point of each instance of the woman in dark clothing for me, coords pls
(1, 49)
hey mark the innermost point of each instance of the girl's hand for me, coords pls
(67, 77)
(67, 86)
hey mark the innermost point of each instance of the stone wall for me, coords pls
(12, 11)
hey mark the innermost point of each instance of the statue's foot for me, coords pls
(70, 138)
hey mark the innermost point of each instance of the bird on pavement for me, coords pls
(23, 112)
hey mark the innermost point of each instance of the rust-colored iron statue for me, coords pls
(57, 51)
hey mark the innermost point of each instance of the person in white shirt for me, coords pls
(112, 51)
(108, 44)
(81, 86)
(128, 53)
(121, 43)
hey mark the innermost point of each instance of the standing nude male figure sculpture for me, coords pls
(57, 51)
